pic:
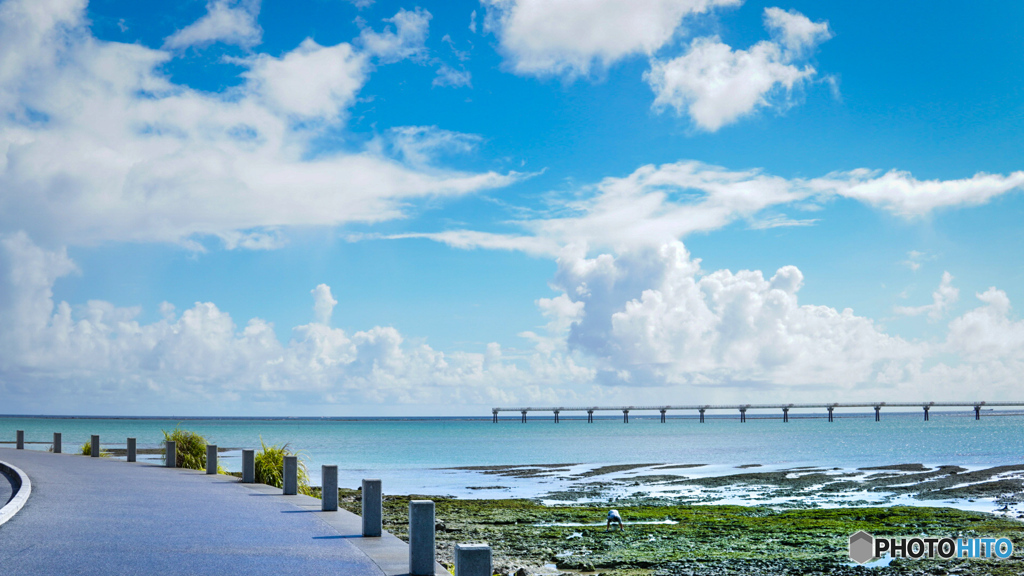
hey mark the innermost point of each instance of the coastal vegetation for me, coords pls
(701, 540)
(190, 448)
(87, 450)
(269, 464)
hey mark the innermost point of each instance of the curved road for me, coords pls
(107, 517)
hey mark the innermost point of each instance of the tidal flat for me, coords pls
(693, 539)
(799, 522)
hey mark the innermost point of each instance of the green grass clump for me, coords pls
(269, 463)
(87, 450)
(190, 451)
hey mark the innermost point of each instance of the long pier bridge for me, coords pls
(702, 408)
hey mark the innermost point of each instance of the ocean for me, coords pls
(417, 456)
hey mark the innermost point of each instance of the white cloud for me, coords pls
(659, 204)
(652, 317)
(101, 355)
(943, 297)
(795, 32)
(310, 82)
(226, 21)
(421, 145)
(144, 159)
(405, 41)
(450, 77)
(323, 303)
(716, 85)
(570, 37)
(988, 334)
(899, 192)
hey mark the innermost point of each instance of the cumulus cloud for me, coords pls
(323, 303)
(715, 84)
(226, 21)
(659, 204)
(405, 40)
(144, 159)
(652, 317)
(310, 82)
(944, 296)
(569, 37)
(101, 354)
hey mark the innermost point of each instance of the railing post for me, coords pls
(211, 458)
(473, 560)
(171, 454)
(132, 451)
(57, 448)
(94, 447)
(290, 474)
(329, 488)
(373, 507)
(248, 466)
(19, 439)
(421, 537)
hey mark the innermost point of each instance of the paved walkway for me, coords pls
(108, 517)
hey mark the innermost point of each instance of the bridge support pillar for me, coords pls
(494, 415)
(524, 416)
(830, 409)
(556, 416)
(785, 414)
(743, 414)
(590, 416)
(926, 413)
(625, 416)
(701, 415)
(977, 412)
(878, 415)
(662, 416)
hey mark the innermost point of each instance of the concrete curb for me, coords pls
(22, 490)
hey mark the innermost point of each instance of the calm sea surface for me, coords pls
(410, 454)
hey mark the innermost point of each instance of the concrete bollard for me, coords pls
(171, 458)
(291, 475)
(421, 537)
(211, 458)
(20, 439)
(329, 488)
(132, 452)
(473, 560)
(373, 508)
(56, 443)
(94, 448)
(248, 466)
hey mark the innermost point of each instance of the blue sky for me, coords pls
(332, 207)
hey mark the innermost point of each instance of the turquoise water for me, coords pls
(391, 448)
